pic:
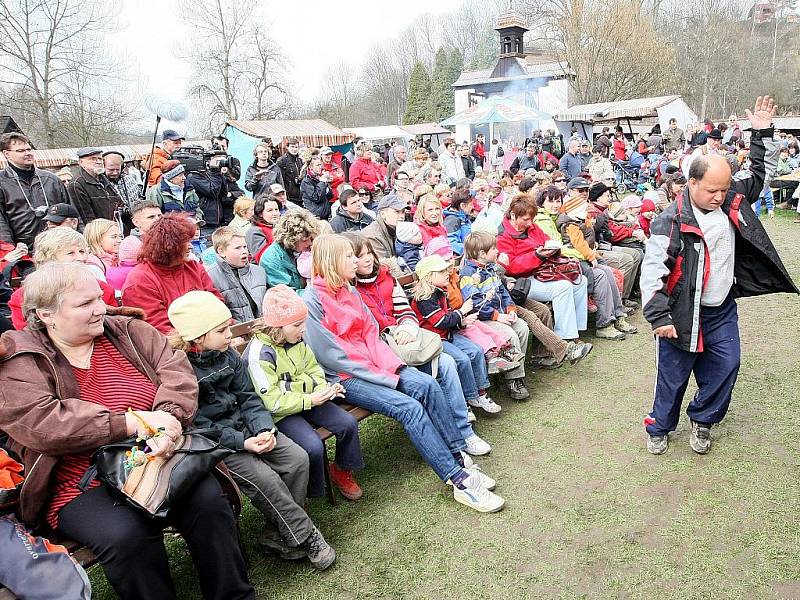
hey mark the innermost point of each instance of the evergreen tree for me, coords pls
(445, 73)
(419, 90)
(440, 103)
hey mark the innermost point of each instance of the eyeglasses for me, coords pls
(559, 180)
(363, 193)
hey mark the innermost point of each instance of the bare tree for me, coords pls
(239, 72)
(48, 49)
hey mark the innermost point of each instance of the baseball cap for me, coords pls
(171, 134)
(578, 183)
(392, 201)
(325, 150)
(58, 213)
(277, 188)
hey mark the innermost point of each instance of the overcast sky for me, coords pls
(314, 33)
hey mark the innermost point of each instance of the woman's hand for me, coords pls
(469, 319)
(17, 253)
(157, 420)
(161, 445)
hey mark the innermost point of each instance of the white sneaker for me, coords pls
(471, 418)
(486, 403)
(476, 446)
(479, 478)
(479, 498)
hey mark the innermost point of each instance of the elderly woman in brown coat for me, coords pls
(66, 384)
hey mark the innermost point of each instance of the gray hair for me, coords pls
(52, 241)
(45, 288)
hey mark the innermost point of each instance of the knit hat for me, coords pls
(439, 246)
(576, 208)
(196, 313)
(406, 230)
(173, 171)
(632, 201)
(431, 264)
(597, 190)
(652, 196)
(570, 205)
(648, 206)
(616, 211)
(129, 249)
(282, 306)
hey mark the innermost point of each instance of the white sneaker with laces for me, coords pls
(478, 498)
(478, 477)
(476, 446)
(471, 418)
(486, 403)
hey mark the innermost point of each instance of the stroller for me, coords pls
(627, 177)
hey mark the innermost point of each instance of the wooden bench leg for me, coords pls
(328, 485)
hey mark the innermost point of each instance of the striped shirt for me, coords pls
(113, 382)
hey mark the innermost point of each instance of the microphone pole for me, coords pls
(150, 161)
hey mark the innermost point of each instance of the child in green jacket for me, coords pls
(291, 383)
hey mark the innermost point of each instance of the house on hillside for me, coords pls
(535, 79)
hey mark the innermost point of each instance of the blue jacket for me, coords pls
(476, 281)
(281, 267)
(409, 252)
(571, 165)
(458, 226)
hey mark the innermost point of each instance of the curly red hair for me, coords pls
(166, 241)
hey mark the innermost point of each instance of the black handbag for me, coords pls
(154, 486)
(520, 289)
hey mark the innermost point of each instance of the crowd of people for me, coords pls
(396, 281)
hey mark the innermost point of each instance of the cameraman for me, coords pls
(233, 171)
(291, 165)
(212, 189)
(315, 190)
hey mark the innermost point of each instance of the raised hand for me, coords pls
(763, 111)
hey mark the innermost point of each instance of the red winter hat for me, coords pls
(648, 205)
(282, 306)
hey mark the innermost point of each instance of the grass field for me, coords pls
(589, 513)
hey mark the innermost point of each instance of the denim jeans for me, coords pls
(421, 408)
(447, 377)
(300, 428)
(471, 364)
(569, 304)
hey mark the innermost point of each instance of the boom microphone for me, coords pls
(165, 109)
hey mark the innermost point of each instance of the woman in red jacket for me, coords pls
(364, 173)
(165, 271)
(521, 244)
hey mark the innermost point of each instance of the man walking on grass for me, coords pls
(706, 249)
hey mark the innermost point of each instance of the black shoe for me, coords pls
(517, 390)
(271, 541)
(319, 552)
(629, 303)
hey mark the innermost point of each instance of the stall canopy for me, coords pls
(659, 109)
(496, 109)
(403, 133)
(55, 158)
(244, 135)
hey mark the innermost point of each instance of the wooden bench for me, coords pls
(84, 557)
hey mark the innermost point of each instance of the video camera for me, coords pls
(196, 159)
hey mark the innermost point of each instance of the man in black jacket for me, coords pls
(468, 162)
(25, 192)
(91, 192)
(706, 249)
(291, 165)
(315, 190)
(212, 190)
